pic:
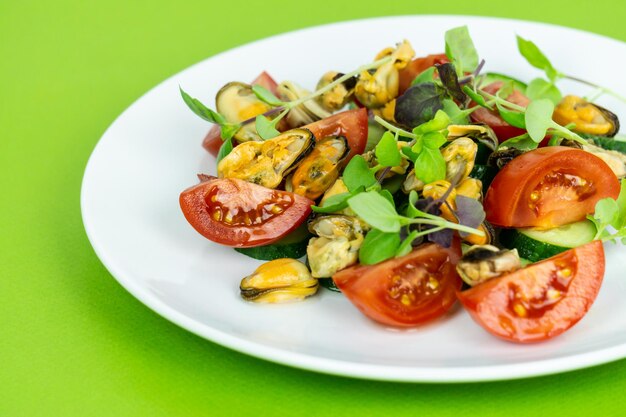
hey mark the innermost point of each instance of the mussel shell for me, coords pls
(503, 156)
(308, 112)
(237, 102)
(613, 119)
(478, 132)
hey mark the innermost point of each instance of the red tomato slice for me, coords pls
(213, 141)
(542, 300)
(407, 291)
(352, 124)
(502, 129)
(237, 213)
(549, 187)
(416, 67)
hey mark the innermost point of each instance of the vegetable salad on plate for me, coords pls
(412, 182)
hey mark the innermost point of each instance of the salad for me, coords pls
(411, 183)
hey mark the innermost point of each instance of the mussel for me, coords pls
(412, 183)
(337, 246)
(278, 281)
(377, 87)
(266, 163)
(615, 160)
(338, 96)
(483, 262)
(459, 156)
(587, 117)
(503, 156)
(479, 133)
(338, 187)
(236, 102)
(319, 170)
(307, 112)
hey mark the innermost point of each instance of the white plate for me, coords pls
(152, 152)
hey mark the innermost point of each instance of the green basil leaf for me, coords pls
(607, 212)
(430, 166)
(419, 104)
(434, 140)
(621, 204)
(266, 95)
(514, 118)
(412, 211)
(534, 56)
(201, 110)
(378, 246)
(333, 204)
(265, 127)
(538, 118)
(225, 149)
(376, 210)
(387, 152)
(437, 123)
(425, 76)
(476, 98)
(405, 247)
(357, 174)
(454, 112)
(460, 49)
(228, 130)
(523, 142)
(540, 88)
(388, 196)
(410, 153)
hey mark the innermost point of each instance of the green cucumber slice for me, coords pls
(291, 246)
(485, 174)
(536, 245)
(328, 283)
(610, 144)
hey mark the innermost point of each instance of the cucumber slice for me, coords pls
(610, 144)
(291, 246)
(536, 245)
(492, 77)
(482, 154)
(485, 174)
(328, 283)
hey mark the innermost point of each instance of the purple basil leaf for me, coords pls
(470, 212)
(450, 81)
(442, 238)
(428, 205)
(419, 104)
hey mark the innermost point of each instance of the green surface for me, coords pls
(75, 343)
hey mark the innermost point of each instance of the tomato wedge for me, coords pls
(502, 129)
(352, 124)
(237, 213)
(407, 291)
(416, 67)
(542, 300)
(549, 187)
(213, 141)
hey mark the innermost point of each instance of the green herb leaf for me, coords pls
(540, 88)
(357, 174)
(538, 118)
(437, 123)
(535, 57)
(430, 166)
(201, 110)
(460, 49)
(225, 149)
(434, 140)
(621, 205)
(266, 95)
(412, 211)
(523, 142)
(376, 210)
(476, 97)
(513, 118)
(387, 152)
(425, 76)
(228, 130)
(333, 203)
(406, 246)
(378, 246)
(265, 127)
(419, 104)
(457, 116)
(388, 196)
(409, 153)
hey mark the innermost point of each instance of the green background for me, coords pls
(75, 343)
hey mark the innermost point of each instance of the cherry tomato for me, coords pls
(406, 291)
(213, 141)
(416, 67)
(352, 124)
(542, 300)
(237, 213)
(549, 187)
(502, 129)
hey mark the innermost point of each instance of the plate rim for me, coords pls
(410, 374)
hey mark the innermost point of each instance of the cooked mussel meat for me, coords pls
(615, 160)
(338, 244)
(319, 170)
(503, 156)
(459, 156)
(483, 262)
(586, 116)
(377, 87)
(307, 112)
(412, 183)
(338, 96)
(279, 281)
(479, 133)
(266, 163)
(236, 102)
